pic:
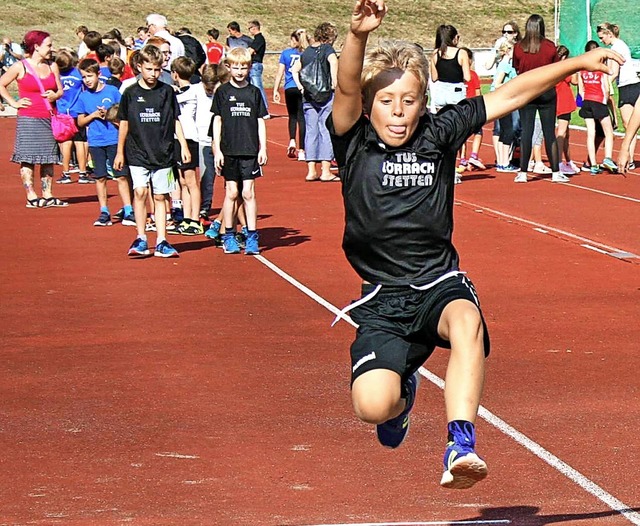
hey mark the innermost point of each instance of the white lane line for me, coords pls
(542, 227)
(431, 523)
(573, 475)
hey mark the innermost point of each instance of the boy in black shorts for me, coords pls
(240, 147)
(148, 115)
(397, 164)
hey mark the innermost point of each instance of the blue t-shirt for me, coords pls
(288, 58)
(71, 86)
(104, 73)
(99, 131)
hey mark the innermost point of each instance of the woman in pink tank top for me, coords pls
(35, 144)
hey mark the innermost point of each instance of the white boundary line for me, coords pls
(609, 250)
(576, 477)
(432, 523)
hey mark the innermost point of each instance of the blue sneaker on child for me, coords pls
(393, 432)
(251, 247)
(213, 232)
(139, 248)
(165, 250)
(229, 243)
(462, 467)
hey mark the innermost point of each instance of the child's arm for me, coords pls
(276, 82)
(580, 86)
(632, 128)
(185, 154)
(347, 106)
(526, 87)
(123, 130)
(433, 72)
(84, 119)
(217, 135)
(466, 67)
(262, 136)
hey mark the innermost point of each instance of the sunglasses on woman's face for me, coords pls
(508, 31)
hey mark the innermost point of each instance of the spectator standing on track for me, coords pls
(506, 138)
(510, 35)
(625, 75)
(624, 157)
(102, 136)
(449, 68)
(257, 48)
(240, 148)
(414, 295)
(565, 107)
(236, 38)
(215, 50)
(148, 115)
(594, 87)
(317, 145)
(292, 95)
(532, 52)
(34, 143)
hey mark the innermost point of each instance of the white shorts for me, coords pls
(443, 93)
(163, 180)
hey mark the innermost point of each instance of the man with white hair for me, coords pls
(157, 27)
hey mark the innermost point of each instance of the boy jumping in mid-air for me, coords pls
(397, 164)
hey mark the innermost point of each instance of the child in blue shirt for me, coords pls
(102, 136)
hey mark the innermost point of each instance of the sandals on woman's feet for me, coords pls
(36, 202)
(54, 202)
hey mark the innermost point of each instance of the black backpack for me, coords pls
(315, 78)
(193, 49)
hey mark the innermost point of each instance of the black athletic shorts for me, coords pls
(593, 110)
(81, 135)
(564, 117)
(193, 150)
(628, 94)
(398, 327)
(240, 169)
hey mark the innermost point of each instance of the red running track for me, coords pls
(209, 390)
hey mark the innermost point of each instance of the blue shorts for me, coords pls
(100, 155)
(398, 327)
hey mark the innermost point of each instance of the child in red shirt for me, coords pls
(566, 105)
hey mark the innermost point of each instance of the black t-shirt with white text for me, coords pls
(152, 115)
(239, 109)
(399, 201)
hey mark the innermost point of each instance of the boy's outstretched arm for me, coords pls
(526, 87)
(347, 106)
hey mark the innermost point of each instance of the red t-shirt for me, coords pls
(523, 62)
(473, 85)
(593, 86)
(565, 97)
(215, 50)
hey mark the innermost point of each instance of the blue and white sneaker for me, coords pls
(462, 467)
(251, 247)
(230, 244)
(165, 250)
(139, 248)
(128, 220)
(213, 232)
(609, 165)
(393, 432)
(104, 219)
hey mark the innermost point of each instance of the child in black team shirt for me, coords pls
(397, 164)
(240, 147)
(148, 116)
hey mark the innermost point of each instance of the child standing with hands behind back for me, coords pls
(398, 232)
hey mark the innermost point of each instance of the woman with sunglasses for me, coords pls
(534, 51)
(628, 82)
(510, 35)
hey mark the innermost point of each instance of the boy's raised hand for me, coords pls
(597, 59)
(367, 16)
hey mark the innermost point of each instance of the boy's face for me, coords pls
(150, 73)
(397, 105)
(239, 72)
(90, 79)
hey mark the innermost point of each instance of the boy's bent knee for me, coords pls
(375, 395)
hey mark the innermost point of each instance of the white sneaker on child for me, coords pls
(541, 168)
(520, 178)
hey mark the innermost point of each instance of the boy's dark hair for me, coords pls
(151, 54)
(213, 33)
(90, 65)
(92, 40)
(141, 28)
(233, 26)
(66, 60)
(183, 31)
(255, 23)
(103, 51)
(134, 60)
(562, 52)
(82, 29)
(592, 44)
(112, 113)
(116, 66)
(215, 73)
(184, 67)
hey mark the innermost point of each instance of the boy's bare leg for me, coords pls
(229, 206)
(192, 206)
(250, 204)
(140, 209)
(101, 191)
(123, 190)
(160, 201)
(376, 396)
